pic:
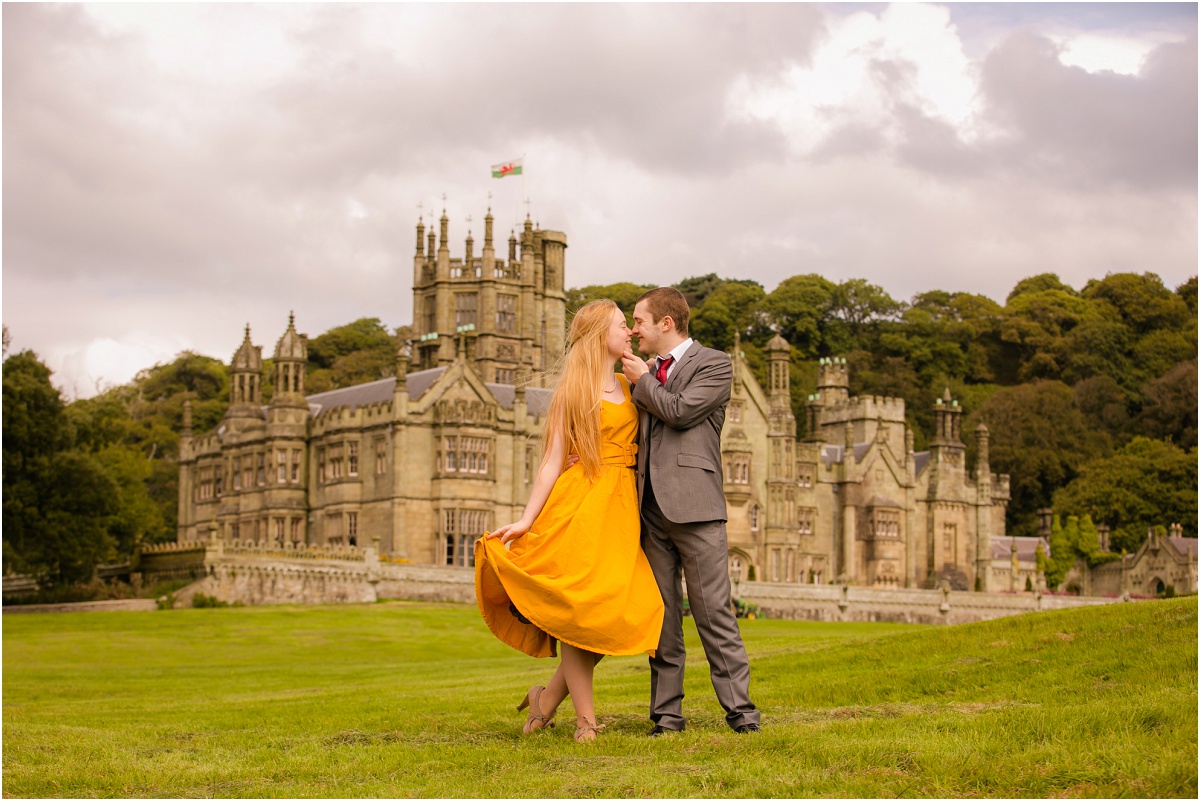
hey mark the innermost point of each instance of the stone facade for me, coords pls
(421, 464)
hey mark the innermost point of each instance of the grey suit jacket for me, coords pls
(684, 442)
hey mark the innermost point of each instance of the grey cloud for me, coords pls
(1095, 130)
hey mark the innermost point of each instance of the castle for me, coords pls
(421, 464)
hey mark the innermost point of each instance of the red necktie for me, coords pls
(661, 375)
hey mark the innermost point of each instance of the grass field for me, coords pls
(406, 699)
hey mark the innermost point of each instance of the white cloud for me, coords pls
(1099, 53)
(864, 67)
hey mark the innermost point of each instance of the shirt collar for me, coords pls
(678, 351)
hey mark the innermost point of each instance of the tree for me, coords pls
(58, 503)
(1142, 301)
(1039, 438)
(624, 294)
(729, 309)
(1143, 484)
(1170, 408)
(1039, 283)
(1061, 556)
(799, 309)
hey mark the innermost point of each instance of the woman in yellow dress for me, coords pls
(574, 574)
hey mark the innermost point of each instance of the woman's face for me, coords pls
(618, 336)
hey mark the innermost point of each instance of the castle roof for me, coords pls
(920, 460)
(248, 356)
(418, 383)
(778, 343)
(1185, 545)
(291, 345)
(1026, 547)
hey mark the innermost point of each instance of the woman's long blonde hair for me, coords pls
(586, 370)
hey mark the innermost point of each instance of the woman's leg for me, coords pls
(556, 689)
(577, 668)
(555, 692)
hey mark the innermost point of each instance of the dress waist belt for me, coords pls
(626, 456)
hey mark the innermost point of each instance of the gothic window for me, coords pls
(806, 472)
(506, 375)
(380, 456)
(337, 464)
(237, 472)
(755, 513)
(775, 558)
(352, 458)
(235, 531)
(949, 542)
(789, 512)
(886, 523)
(430, 315)
(352, 528)
(281, 470)
(738, 468)
(262, 469)
(296, 529)
(322, 475)
(460, 529)
(466, 455)
(247, 472)
(333, 529)
(295, 465)
(506, 314)
(279, 530)
(735, 412)
(219, 481)
(805, 521)
(465, 305)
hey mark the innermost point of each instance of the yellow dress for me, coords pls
(579, 574)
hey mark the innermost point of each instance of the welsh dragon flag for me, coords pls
(507, 168)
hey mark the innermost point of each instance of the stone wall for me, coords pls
(862, 604)
(306, 575)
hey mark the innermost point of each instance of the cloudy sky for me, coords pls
(172, 172)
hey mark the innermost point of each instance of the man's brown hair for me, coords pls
(666, 301)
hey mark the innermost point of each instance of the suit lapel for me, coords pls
(674, 380)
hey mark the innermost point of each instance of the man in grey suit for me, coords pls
(682, 396)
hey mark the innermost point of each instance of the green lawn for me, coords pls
(407, 699)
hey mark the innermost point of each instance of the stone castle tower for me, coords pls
(508, 315)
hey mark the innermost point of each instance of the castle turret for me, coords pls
(245, 380)
(419, 258)
(833, 381)
(291, 356)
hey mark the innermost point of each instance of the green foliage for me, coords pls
(202, 601)
(350, 354)
(624, 294)
(58, 503)
(1041, 440)
(1170, 409)
(730, 309)
(1143, 484)
(1061, 555)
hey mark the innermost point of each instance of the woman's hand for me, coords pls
(507, 534)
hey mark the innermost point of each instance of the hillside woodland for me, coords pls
(1090, 395)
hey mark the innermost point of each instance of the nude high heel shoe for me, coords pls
(536, 719)
(586, 730)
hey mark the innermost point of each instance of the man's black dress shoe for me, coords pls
(748, 728)
(659, 731)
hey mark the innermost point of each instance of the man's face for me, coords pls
(644, 328)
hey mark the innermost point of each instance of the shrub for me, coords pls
(202, 601)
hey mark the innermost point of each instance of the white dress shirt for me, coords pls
(676, 353)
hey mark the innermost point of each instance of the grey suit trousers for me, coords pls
(699, 552)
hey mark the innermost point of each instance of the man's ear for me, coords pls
(668, 323)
